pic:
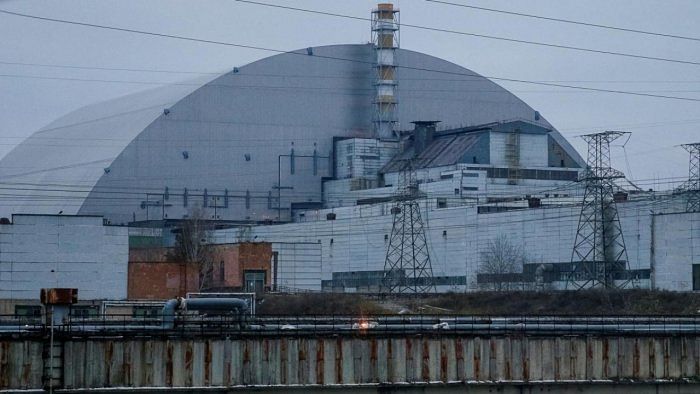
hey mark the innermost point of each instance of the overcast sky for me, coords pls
(33, 96)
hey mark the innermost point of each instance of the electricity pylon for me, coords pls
(599, 256)
(691, 187)
(407, 267)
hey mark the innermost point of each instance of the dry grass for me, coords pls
(589, 302)
(319, 304)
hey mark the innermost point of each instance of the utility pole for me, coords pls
(691, 187)
(599, 256)
(407, 267)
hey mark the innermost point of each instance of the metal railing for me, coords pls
(317, 325)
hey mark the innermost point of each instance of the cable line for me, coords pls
(566, 21)
(70, 66)
(490, 37)
(299, 53)
(224, 70)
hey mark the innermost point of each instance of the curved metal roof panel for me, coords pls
(230, 136)
(56, 167)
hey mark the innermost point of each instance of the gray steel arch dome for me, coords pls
(244, 145)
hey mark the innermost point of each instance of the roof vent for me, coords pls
(235, 70)
(107, 170)
(537, 115)
(185, 154)
(423, 134)
(309, 51)
(166, 111)
(5, 221)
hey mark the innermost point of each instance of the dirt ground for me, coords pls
(587, 302)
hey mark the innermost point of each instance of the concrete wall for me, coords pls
(458, 235)
(676, 249)
(533, 150)
(362, 157)
(38, 251)
(351, 360)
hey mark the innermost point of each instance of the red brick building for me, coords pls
(232, 267)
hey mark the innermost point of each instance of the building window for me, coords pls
(456, 192)
(222, 273)
(441, 202)
(84, 311)
(696, 276)
(146, 311)
(28, 311)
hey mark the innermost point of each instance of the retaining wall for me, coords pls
(350, 360)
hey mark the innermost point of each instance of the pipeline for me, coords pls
(169, 313)
(215, 305)
(202, 305)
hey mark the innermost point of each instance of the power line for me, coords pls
(567, 21)
(490, 37)
(141, 191)
(69, 66)
(191, 39)
(307, 76)
(334, 90)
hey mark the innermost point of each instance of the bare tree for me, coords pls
(193, 246)
(501, 258)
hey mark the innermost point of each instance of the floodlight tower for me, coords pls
(691, 187)
(385, 37)
(599, 254)
(407, 267)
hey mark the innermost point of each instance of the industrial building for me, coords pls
(308, 150)
(252, 145)
(44, 251)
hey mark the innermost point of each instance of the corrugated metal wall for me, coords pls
(21, 365)
(352, 360)
(299, 265)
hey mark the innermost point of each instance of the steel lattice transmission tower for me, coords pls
(407, 267)
(691, 187)
(599, 256)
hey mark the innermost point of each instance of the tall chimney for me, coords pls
(385, 36)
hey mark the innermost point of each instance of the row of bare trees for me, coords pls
(500, 258)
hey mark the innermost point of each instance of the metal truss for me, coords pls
(599, 256)
(691, 187)
(407, 267)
